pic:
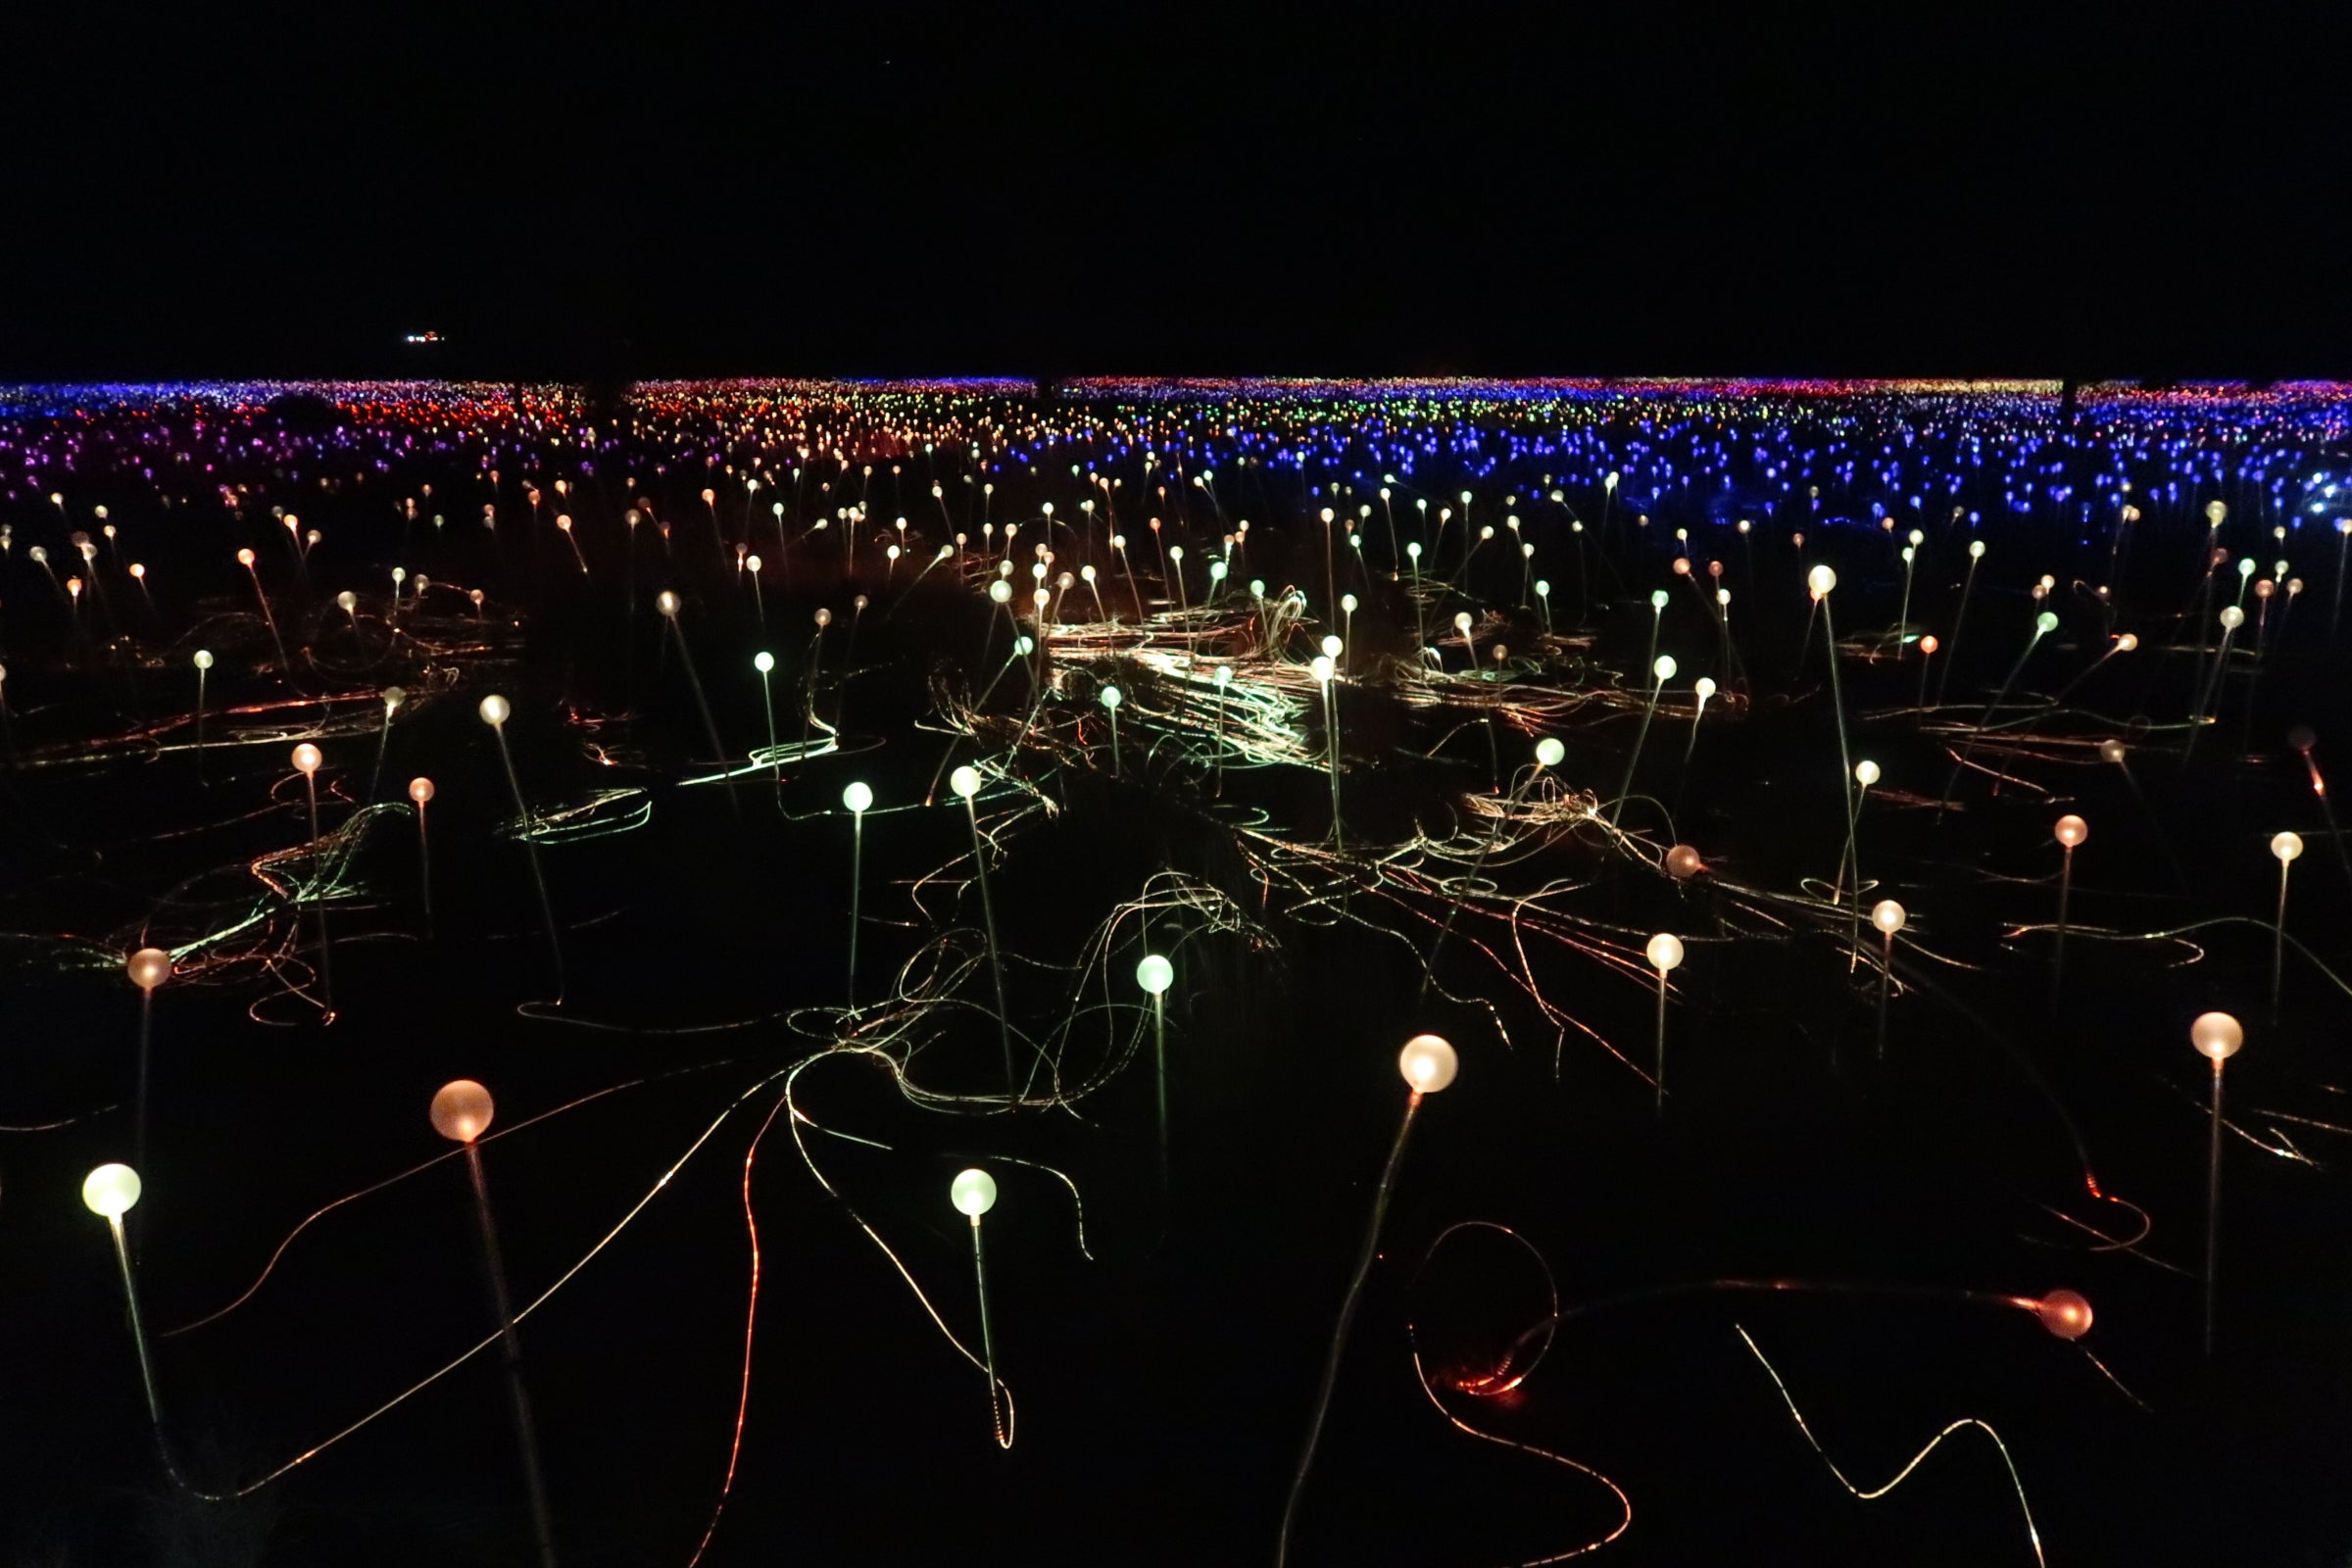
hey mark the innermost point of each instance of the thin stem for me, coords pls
(511, 1346)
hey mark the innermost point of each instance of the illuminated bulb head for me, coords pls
(421, 790)
(857, 797)
(307, 758)
(393, 697)
(2287, 846)
(1866, 773)
(1322, 669)
(462, 1110)
(763, 662)
(1705, 687)
(1664, 668)
(1821, 579)
(974, 1193)
(110, 1191)
(1223, 676)
(825, 619)
(2064, 1313)
(2217, 1036)
(1154, 974)
(666, 603)
(347, 601)
(965, 781)
(203, 658)
(2070, 831)
(1428, 1063)
(2126, 642)
(1001, 591)
(244, 559)
(149, 967)
(1657, 601)
(1889, 916)
(1332, 647)
(495, 710)
(2233, 617)
(1684, 863)
(1664, 953)
(2113, 751)
(2045, 623)
(1549, 752)
(1348, 603)
(1976, 550)
(1112, 697)
(1461, 623)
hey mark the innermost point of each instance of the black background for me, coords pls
(875, 189)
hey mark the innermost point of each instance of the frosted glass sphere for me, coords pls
(203, 658)
(1223, 676)
(307, 758)
(2070, 831)
(1322, 669)
(2047, 622)
(111, 1189)
(2286, 846)
(421, 790)
(495, 710)
(1428, 1063)
(763, 662)
(1461, 623)
(149, 967)
(1001, 591)
(347, 601)
(1866, 773)
(965, 781)
(2112, 751)
(1705, 686)
(1889, 916)
(2233, 617)
(2064, 1313)
(1665, 951)
(2215, 1035)
(1154, 974)
(1112, 697)
(857, 797)
(1657, 599)
(2126, 642)
(1684, 863)
(462, 1110)
(393, 697)
(1348, 603)
(667, 602)
(1549, 751)
(1664, 668)
(1332, 647)
(974, 1193)
(1976, 550)
(1821, 579)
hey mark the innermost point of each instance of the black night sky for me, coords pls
(893, 189)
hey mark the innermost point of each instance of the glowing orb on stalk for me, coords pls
(1550, 752)
(307, 758)
(1428, 1063)
(495, 710)
(1866, 773)
(1821, 579)
(2233, 617)
(462, 1110)
(149, 967)
(2070, 831)
(1889, 916)
(965, 781)
(2112, 751)
(110, 1191)
(666, 603)
(974, 1193)
(1154, 974)
(421, 790)
(203, 658)
(1001, 591)
(2217, 1036)
(857, 797)
(763, 662)
(1112, 697)
(2064, 1313)
(2286, 846)
(1664, 952)
(1684, 863)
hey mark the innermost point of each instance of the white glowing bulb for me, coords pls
(763, 662)
(111, 1189)
(1866, 773)
(1821, 579)
(2287, 846)
(1888, 915)
(974, 1193)
(203, 658)
(1322, 669)
(1154, 974)
(2217, 1036)
(1705, 687)
(1549, 751)
(1664, 668)
(857, 797)
(1665, 951)
(1428, 1063)
(666, 603)
(495, 710)
(965, 781)
(1112, 697)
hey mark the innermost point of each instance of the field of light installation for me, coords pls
(944, 890)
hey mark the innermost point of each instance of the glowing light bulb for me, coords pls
(462, 1110)
(1428, 1063)
(1154, 974)
(149, 967)
(965, 781)
(2070, 831)
(1657, 599)
(1976, 550)
(1549, 751)
(2045, 623)
(1664, 668)
(110, 1191)
(495, 710)
(1889, 916)
(2287, 846)
(1866, 773)
(421, 790)
(974, 1193)
(307, 758)
(1684, 863)
(2233, 617)
(2217, 1036)
(1332, 647)
(203, 658)
(1112, 697)
(1664, 952)
(2126, 642)
(1001, 591)
(1322, 669)
(667, 602)
(2064, 1313)
(763, 662)
(1705, 686)
(1821, 579)
(2113, 751)
(857, 797)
